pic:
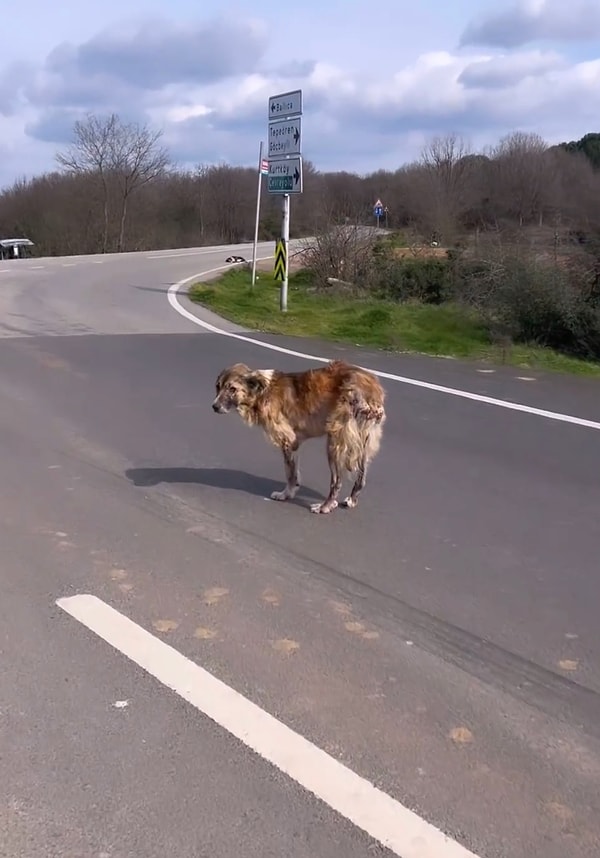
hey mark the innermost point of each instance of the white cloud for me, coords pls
(501, 72)
(208, 86)
(536, 20)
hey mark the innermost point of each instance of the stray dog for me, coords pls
(343, 402)
(235, 259)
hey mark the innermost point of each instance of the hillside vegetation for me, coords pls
(507, 240)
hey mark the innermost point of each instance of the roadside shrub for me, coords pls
(429, 281)
(539, 303)
(339, 253)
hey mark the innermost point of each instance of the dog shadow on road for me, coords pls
(218, 478)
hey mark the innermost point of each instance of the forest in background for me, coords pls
(115, 188)
(506, 239)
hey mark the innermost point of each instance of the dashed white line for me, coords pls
(369, 808)
(428, 385)
(170, 255)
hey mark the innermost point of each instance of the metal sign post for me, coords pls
(285, 171)
(263, 169)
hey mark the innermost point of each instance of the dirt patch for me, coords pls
(420, 252)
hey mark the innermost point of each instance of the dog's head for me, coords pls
(238, 387)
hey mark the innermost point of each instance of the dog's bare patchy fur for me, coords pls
(342, 402)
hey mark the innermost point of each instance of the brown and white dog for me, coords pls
(343, 402)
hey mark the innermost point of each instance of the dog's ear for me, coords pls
(256, 382)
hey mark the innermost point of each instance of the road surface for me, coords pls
(191, 669)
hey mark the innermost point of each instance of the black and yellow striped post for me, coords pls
(280, 268)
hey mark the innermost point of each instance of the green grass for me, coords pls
(434, 330)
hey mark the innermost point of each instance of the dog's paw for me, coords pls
(323, 508)
(279, 496)
(349, 502)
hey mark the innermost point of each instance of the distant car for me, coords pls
(15, 248)
(235, 259)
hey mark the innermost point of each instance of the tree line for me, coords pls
(115, 188)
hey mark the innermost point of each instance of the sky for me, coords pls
(379, 80)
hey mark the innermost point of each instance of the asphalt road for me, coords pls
(441, 641)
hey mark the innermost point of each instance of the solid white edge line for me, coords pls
(428, 385)
(369, 808)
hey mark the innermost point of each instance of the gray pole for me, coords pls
(285, 235)
(254, 250)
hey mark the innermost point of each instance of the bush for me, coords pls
(429, 281)
(555, 304)
(339, 253)
(539, 303)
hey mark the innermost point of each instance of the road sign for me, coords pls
(377, 211)
(264, 166)
(286, 104)
(280, 255)
(285, 137)
(285, 177)
(285, 170)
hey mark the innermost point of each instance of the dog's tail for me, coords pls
(356, 423)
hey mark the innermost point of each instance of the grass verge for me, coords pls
(421, 328)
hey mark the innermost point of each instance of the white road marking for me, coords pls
(366, 806)
(170, 255)
(68, 264)
(428, 385)
(35, 267)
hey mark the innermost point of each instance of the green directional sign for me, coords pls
(285, 175)
(280, 184)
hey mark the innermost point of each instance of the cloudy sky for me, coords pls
(378, 79)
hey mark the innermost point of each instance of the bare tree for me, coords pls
(122, 155)
(340, 256)
(524, 177)
(444, 189)
(136, 159)
(90, 153)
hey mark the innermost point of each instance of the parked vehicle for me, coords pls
(15, 248)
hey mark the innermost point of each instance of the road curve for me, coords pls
(440, 641)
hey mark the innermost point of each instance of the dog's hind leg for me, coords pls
(292, 473)
(335, 485)
(359, 483)
(371, 446)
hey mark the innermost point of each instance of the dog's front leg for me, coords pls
(290, 461)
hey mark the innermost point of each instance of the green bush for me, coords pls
(542, 304)
(429, 281)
